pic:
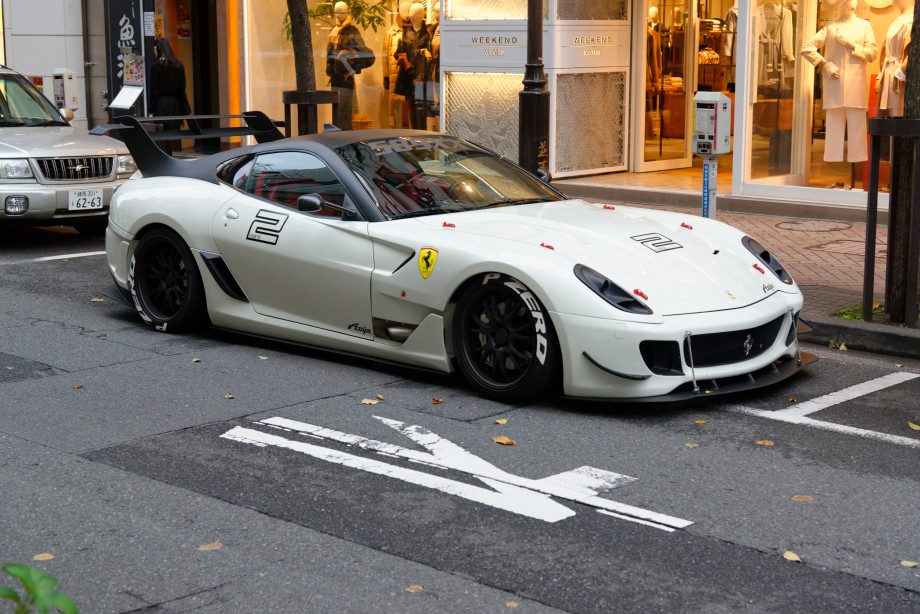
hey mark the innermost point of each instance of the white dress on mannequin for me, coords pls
(890, 92)
(844, 83)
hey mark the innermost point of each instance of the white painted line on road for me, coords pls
(648, 524)
(581, 485)
(798, 414)
(509, 498)
(61, 257)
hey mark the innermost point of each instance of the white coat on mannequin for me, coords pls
(848, 45)
(891, 76)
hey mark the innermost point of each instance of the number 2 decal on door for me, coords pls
(266, 228)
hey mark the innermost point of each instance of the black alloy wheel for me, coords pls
(165, 283)
(504, 342)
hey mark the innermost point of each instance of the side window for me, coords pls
(286, 176)
(236, 172)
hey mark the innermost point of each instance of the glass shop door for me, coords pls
(665, 79)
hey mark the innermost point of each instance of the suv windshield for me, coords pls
(22, 105)
(427, 175)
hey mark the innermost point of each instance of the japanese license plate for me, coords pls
(82, 200)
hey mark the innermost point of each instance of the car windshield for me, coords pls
(427, 175)
(22, 105)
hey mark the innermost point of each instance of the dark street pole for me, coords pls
(533, 140)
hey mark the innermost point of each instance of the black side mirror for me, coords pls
(543, 175)
(310, 203)
(313, 203)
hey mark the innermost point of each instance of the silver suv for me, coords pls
(50, 171)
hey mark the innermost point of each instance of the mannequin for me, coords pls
(848, 45)
(346, 56)
(731, 25)
(773, 27)
(391, 40)
(412, 56)
(434, 68)
(893, 61)
(653, 18)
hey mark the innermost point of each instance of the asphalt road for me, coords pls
(122, 456)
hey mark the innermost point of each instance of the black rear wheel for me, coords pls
(165, 283)
(504, 342)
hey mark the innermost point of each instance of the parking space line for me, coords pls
(798, 414)
(61, 257)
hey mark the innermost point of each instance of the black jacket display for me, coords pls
(413, 44)
(341, 69)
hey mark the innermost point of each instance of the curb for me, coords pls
(866, 336)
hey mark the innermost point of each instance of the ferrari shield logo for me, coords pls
(426, 259)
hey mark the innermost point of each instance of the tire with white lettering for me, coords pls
(165, 284)
(504, 341)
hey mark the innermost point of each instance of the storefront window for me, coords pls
(384, 69)
(814, 73)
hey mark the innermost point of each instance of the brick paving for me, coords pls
(825, 258)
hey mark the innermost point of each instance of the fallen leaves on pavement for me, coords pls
(436, 401)
(97, 300)
(501, 421)
(792, 399)
(196, 360)
(692, 445)
(764, 442)
(909, 563)
(212, 546)
(415, 588)
(369, 401)
(789, 555)
(504, 441)
(47, 556)
(916, 427)
(843, 347)
(700, 421)
(801, 498)
(78, 386)
(228, 396)
(379, 397)
(511, 604)
(263, 357)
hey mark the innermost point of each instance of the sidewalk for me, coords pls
(826, 260)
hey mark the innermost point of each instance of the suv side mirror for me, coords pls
(67, 114)
(543, 175)
(309, 203)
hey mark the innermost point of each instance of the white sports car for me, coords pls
(427, 250)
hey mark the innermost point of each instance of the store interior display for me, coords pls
(346, 57)
(849, 45)
(893, 61)
(413, 54)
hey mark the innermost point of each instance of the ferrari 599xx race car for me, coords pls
(427, 250)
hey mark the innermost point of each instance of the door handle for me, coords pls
(231, 214)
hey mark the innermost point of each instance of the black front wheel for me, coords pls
(504, 341)
(165, 284)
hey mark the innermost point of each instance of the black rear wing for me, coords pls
(141, 137)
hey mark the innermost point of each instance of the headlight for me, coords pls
(609, 291)
(16, 168)
(126, 164)
(768, 259)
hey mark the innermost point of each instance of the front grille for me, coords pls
(75, 169)
(731, 347)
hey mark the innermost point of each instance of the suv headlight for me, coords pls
(15, 168)
(609, 291)
(768, 259)
(126, 164)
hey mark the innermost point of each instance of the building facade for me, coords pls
(622, 75)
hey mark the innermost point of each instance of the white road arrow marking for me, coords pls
(531, 497)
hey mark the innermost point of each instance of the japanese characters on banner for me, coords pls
(129, 44)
